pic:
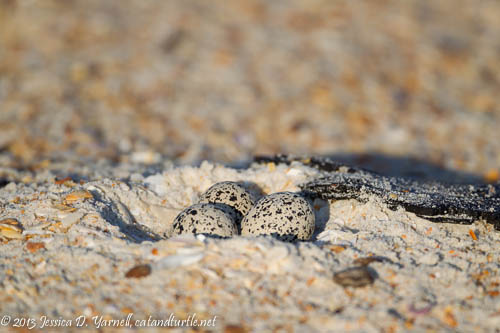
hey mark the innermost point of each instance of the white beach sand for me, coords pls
(76, 249)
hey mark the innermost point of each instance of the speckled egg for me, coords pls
(285, 215)
(205, 218)
(232, 194)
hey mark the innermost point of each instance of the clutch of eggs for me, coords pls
(227, 207)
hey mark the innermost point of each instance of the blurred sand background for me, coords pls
(143, 81)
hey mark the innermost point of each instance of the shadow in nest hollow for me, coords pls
(134, 231)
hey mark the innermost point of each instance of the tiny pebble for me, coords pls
(365, 261)
(139, 271)
(284, 215)
(354, 277)
(205, 218)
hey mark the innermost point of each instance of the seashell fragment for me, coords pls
(11, 228)
(77, 196)
(63, 208)
(178, 260)
(32, 247)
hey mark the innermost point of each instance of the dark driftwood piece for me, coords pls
(435, 201)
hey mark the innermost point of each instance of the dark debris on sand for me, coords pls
(432, 200)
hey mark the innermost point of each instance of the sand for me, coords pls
(81, 241)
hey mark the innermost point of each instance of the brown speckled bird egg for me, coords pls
(205, 218)
(284, 215)
(232, 194)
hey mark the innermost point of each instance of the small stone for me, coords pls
(235, 329)
(365, 261)
(139, 271)
(234, 195)
(205, 218)
(354, 277)
(284, 215)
